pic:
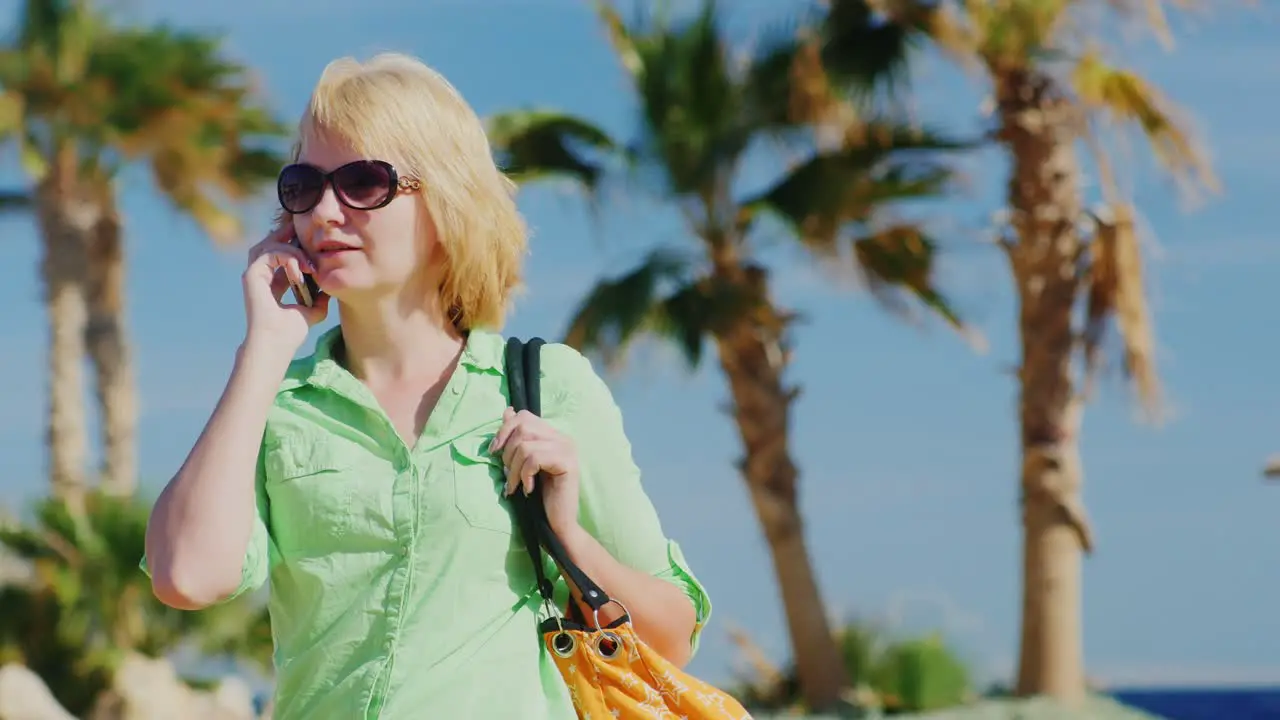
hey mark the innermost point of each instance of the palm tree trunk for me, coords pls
(107, 340)
(754, 364)
(62, 271)
(1039, 128)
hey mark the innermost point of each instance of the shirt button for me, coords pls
(455, 390)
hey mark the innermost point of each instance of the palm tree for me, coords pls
(701, 112)
(1055, 92)
(82, 99)
(896, 674)
(86, 605)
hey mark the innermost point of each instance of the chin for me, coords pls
(338, 283)
(343, 285)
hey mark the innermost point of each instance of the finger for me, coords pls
(279, 284)
(268, 253)
(523, 470)
(515, 439)
(528, 471)
(500, 440)
(278, 236)
(293, 269)
(527, 428)
(262, 263)
(513, 472)
(302, 260)
(533, 426)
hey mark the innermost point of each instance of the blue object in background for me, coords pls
(1205, 704)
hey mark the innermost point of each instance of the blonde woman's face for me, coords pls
(356, 251)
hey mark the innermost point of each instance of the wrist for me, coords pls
(265, 355)
(571, 534)
(259, 348)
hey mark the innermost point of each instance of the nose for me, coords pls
(328, 211)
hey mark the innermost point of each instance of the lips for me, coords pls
(331, 247)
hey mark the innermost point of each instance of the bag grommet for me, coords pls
(563, 644)
(608, 645)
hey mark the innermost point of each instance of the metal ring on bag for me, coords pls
(608, 644)
(562, 643)
(595, 614)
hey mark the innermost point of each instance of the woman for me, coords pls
(367, 480)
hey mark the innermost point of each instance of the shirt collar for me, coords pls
(483, 351)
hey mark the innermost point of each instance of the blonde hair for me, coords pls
(396, 108)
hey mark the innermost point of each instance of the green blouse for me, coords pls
(399, 587)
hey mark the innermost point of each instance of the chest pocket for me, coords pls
(312, 491)
(477, 484)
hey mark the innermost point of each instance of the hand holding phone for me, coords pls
(272, 320)
(309, 290)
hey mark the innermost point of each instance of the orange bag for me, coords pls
(610, 671)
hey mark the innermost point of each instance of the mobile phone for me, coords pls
(309, 290)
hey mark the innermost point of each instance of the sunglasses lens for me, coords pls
(365, 184)
(299, 188)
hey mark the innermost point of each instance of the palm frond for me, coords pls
(890, 163)
(1115, 283)
(837, 63)
(865, 51)
(31, 157)
(62, 31)
(663, 297)
(701, 309)
(24, 543)
(533, 145)
(1116, 291)
(1151, 15)
(694, 122)
(1125, 98)
(253, 167)
(617, 309)
(190, 112)
(788, 87)
(1013, 34)
(620, 37)
(777, 91)
(902, 259)
(10, 111)
(832, 203)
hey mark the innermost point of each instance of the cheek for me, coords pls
(391, 254)
(300, 224)
(396, 230)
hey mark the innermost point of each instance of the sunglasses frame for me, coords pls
(395, 185)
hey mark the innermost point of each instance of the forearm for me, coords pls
(201, 524)
(661, 613)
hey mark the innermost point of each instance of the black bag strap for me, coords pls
(524, 385)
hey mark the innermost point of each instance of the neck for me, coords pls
(386, 339)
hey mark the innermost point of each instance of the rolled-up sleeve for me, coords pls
(613, 505)
(261, 553)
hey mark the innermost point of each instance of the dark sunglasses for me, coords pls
(360, 185)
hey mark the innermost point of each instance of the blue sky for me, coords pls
(904, 435)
